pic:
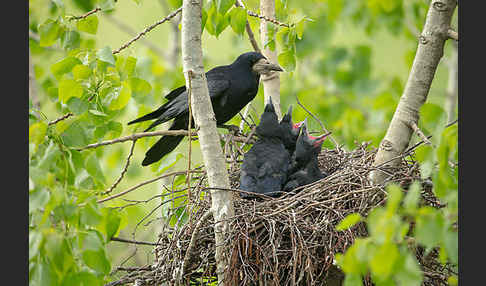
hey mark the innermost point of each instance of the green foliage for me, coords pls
(385, 253)
(76, 72)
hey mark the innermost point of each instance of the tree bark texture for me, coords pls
(271, 82)
(204, 118)
(429, 52)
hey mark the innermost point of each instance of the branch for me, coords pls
(148, 29)
(65, 116)
(133, 241)
(267, 19)
(123, 172)
(95, 10)
(419, 132)
(453, 34)
(130, 31)
(136, 136)
(145, 183)
(251, 36)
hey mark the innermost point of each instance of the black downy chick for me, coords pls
(265, 165)
(290, 131)
(304, 167)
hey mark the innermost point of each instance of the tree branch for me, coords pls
(453, 35)
(65, 116)
(136, 136)
(429, 52)
(148, 29)
(130, 31)
(95, 10)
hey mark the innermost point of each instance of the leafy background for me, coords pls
(346, 61)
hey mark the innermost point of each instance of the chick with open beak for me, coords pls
(265, 67)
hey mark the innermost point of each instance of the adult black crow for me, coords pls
(290, 131)
(265, 165)
(304, 168)
(231, 88)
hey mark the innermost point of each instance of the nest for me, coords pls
(289, 240)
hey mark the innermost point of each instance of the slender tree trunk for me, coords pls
(192, 59)
(271, 82)
(452, 86)
(429, 52)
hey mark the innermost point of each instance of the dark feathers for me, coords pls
(230, 87)
(265, 165)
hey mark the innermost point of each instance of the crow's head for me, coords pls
(269, 125)
(258, 63)
(307, 146)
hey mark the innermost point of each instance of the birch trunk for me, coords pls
(429, 52)
(271, 82)
(222, 201)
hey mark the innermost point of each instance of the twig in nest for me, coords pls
(192, 243)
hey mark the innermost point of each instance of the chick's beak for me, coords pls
(263, 66)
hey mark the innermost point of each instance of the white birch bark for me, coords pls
(192, 59)
(271, 82)
(429, 52)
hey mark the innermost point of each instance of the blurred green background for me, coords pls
(352, 65)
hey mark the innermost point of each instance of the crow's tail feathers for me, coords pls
(166, 144)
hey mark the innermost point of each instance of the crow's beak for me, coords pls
(298, 124)
(263, 66)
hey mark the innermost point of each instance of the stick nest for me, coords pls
(289, 240)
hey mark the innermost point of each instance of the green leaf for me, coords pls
(107, 5)
(111, 222)
(74, 135)
(299, 28)
(238, 20)
(105, 55)
(88, 24)
(38, 199)
(49, 32)
(71, 40)
(69, 88)
(90, 214)
(383, 261)
(224, 5)
(93, 167)
(64, 66)
(352, 280)
(287, 60)
(81, 71)
(123, 97)
(283, 37)
(35, 243)
(410, 203)
(169, 161)
(58, 251)
(98, 113)
(97, 261)
(37, 133)
(349, 221)
(139, 86)
(175, 3)
(429, 227)
(409, 272)
(451, 246)
(90, 240)
(43, 274)
(395, 195)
